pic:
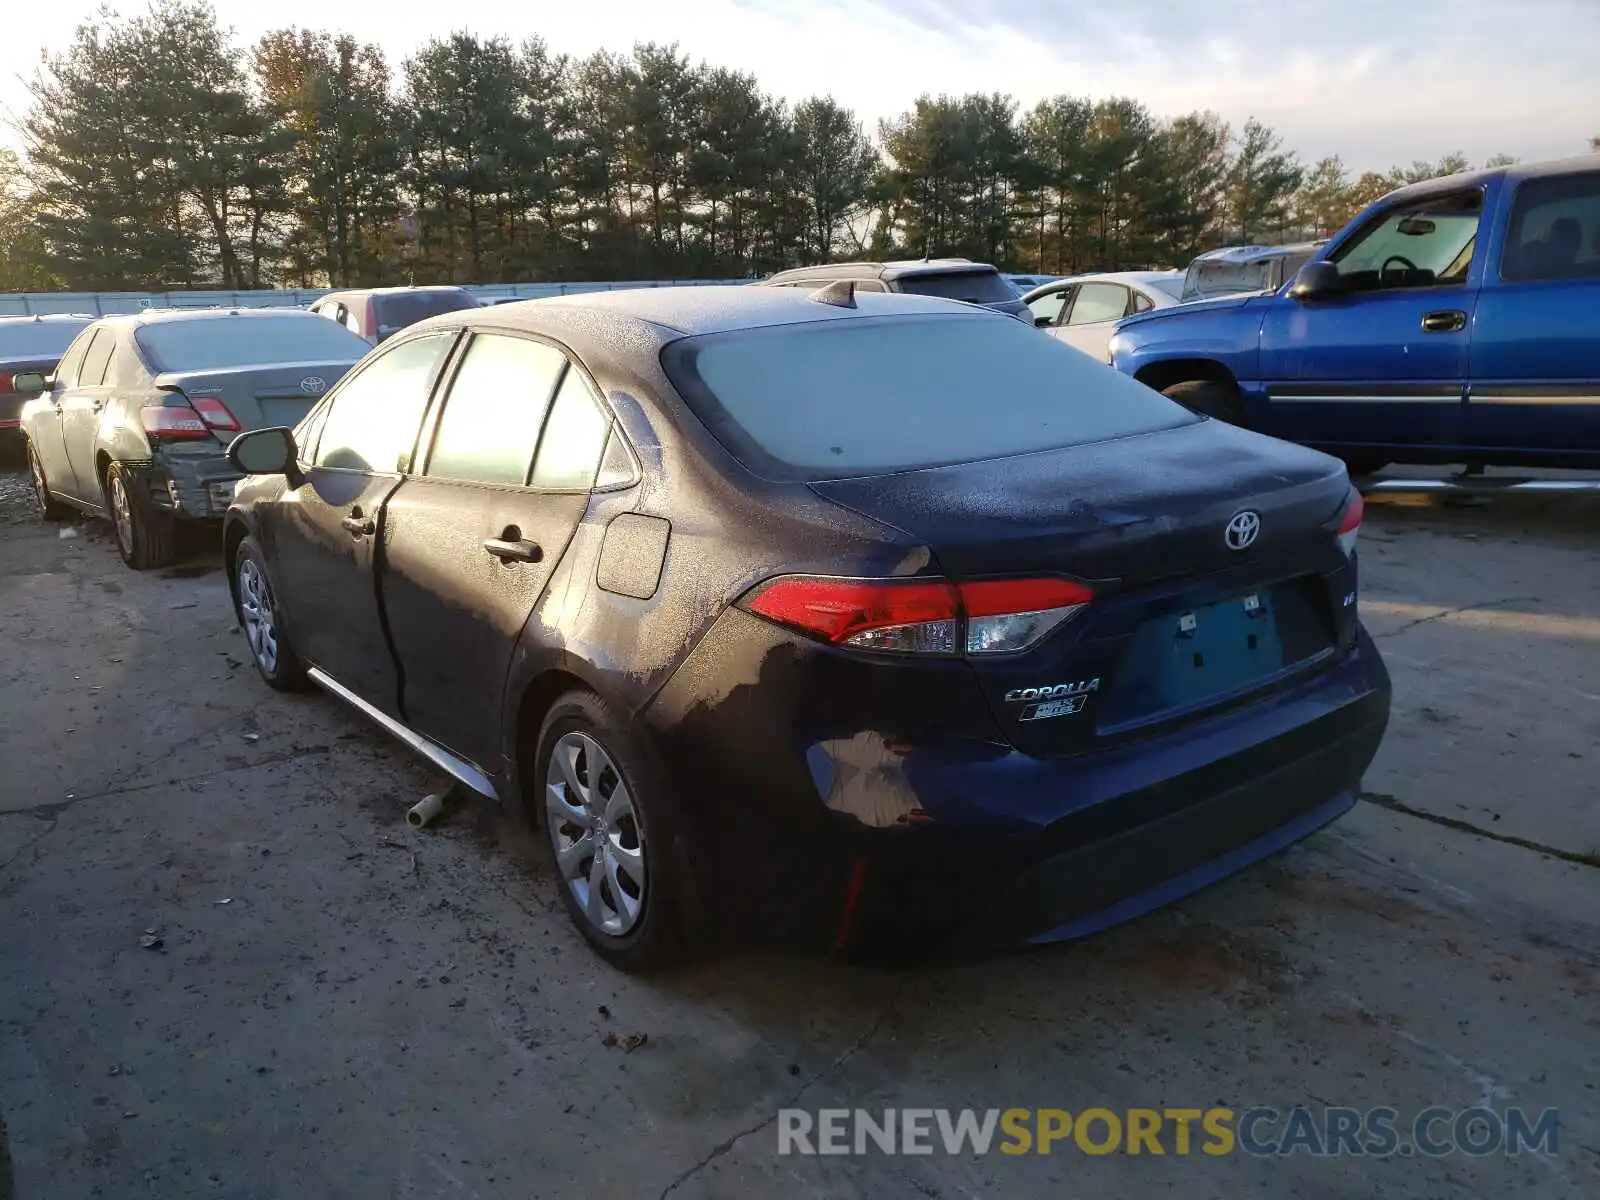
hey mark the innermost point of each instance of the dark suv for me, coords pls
(947, 278)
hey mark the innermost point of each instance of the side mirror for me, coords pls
(1042, 322)
(264, 452)
(28, 383)
(1317, 281)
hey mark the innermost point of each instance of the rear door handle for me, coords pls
(509, 550)
(360, 526)
(1446, 321)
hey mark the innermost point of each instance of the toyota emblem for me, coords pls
(313, 385)
(1242, 529)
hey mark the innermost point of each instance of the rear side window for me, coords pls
(93, 372)
(865, 396)
(372, 420)
(495, 409)
(397, 310)
(574, 437)
(975, 287)
(1555, 229)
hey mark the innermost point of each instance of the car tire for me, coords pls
(50, 509)
(256, 606)
(146, 536)
(1209, 398)
(632, 914)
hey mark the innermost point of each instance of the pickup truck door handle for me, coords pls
(513, 549)
(358, 525)
(1445, 321)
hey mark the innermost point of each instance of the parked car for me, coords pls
(1237, 270)
(1451, 321)
(766, 621)
(133, 423)
(1026, 283)
(1083, 310)
(951, 278)
(28, 345)
(379, 313)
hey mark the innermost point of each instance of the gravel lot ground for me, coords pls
(342, 1006)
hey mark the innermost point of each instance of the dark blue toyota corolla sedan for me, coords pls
(865, 623)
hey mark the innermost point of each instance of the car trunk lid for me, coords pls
(262, 395)
(1144, 521)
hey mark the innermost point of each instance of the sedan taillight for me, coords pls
(920, 616)
(215, 413)
(173, 423)
(1350, 522)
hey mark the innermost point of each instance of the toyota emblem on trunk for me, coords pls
(313, 385)
(1242, 529)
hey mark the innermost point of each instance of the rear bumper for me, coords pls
(971, 845)
(198, 487)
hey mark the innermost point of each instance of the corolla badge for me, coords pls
(1242, 529)
(313, 385)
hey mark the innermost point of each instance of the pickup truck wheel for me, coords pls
(612, 826)
(50, 509)
(1209, 398)
(146, 536)
(257, 610)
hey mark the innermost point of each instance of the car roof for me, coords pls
(896, 269)
(1116, 277)
(40, 318)
(170, 316)
(668, 313)
(396, 291)
(1516, 172)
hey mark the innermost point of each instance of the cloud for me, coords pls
(1377, 81)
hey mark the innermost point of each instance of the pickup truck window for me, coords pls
(1425, 244)
(1555, 229)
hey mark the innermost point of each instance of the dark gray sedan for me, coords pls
(135, 419)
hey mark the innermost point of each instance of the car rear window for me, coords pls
(38, 339)
(214, 343)
(407, 308)
(975, 287)
(866, 396)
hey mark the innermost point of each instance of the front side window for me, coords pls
(93, 372)
(832, 399)
(1099, 302)
(1426, 243)
(574, 438)
(1046, 309)
(1555, 229)
(373, 418)
(496, 407)
(215, 343)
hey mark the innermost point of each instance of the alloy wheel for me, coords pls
(255, 609)
(121, 512)
(596, 833)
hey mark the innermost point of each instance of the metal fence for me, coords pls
(97, 304)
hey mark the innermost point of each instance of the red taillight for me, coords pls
(173, 423)
(1350, 522)
(7, 382)
(215, 413)
(921, 616)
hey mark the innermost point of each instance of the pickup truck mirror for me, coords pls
(1317, 281)
(28, 383)
(264, 452)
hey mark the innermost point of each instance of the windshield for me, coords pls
(838, 398)
(38, 339)
(975, 287)
(213, 343)
(400, 309)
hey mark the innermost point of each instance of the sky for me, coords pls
(1378, 82)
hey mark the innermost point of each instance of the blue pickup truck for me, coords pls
(1453, 321)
